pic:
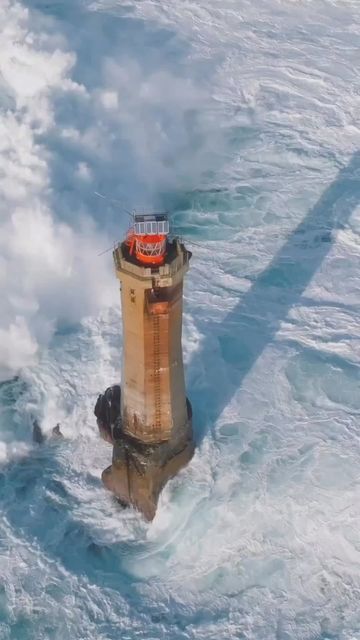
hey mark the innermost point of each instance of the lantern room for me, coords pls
(147, 238)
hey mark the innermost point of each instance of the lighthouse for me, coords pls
(148, 419)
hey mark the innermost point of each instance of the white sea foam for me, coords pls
(41, 257)
(258, 537)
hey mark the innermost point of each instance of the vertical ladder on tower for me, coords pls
(156, 369)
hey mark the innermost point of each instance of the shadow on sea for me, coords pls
(245, 332)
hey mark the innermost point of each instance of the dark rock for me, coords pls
(37, 433)
(56, 433)
(107, 412)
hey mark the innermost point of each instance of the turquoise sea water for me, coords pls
(241, 118)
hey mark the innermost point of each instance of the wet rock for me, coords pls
(56, 433)
(37, 433)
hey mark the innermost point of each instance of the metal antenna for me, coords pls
(188, 240)
(106, 250)
(196, 244)
(100, 195)
(129, 213)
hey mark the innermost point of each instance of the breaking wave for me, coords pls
(241, 118)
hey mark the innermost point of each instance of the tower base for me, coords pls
(138, 471)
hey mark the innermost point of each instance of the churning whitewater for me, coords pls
(241, 118)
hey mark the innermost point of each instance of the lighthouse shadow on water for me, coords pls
(253, 323)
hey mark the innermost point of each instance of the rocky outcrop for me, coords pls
(107, 412)
(39, 437)
(139, 471)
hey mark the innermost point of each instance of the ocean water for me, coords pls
(242, 118)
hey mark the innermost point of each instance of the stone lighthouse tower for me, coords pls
(148, 419)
